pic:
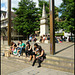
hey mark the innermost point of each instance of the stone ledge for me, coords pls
(52, 62)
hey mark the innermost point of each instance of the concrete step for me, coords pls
(5, 47)
(59, 58)
(59, 62)
(2, 51)
(67, 66)
(61, 68)
(44, 64)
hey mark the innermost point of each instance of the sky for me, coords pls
(14, 3)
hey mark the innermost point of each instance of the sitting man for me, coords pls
(21, 47)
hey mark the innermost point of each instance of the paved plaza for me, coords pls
(11, 67)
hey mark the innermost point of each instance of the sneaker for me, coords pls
(19, 55)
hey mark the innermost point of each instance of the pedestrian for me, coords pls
(41, 39)
(44, 38)
(30, 38)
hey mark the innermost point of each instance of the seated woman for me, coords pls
(12, 48)
(39, 55)
(28, 50)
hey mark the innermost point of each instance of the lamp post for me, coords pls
(52, 28)
(9, 22)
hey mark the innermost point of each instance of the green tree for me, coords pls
(26, 17)
(67, 17)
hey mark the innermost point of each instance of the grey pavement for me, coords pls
(39, 71)
(11, 67)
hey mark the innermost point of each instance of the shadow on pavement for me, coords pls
(63, 49)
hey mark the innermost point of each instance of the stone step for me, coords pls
(45, 65)
(54, 64)
(54, 60)
(5, 47)
(3, 50)
(59, 62)
(69, 64)
(61, 68)
(51, 57)
(59, 58)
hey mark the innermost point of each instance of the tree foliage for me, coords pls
(67, 17)
(28, 16)
(26, 20)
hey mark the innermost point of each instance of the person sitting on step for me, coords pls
(39, 55)
(12, 48)
(28, 50)
(21, 47)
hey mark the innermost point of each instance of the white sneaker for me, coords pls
(19, 55)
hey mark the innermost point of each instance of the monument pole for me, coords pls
(9, 22)
(44, 22)
(52, 28)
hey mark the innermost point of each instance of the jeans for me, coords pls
(20, 49)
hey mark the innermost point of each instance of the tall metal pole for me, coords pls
(9, 22)
(52, 28)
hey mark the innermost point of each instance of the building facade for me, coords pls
(4, 24)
